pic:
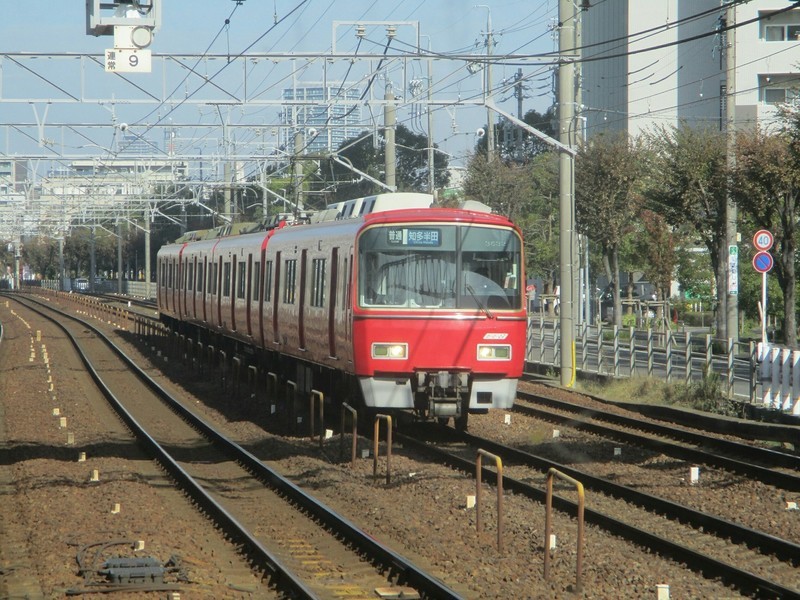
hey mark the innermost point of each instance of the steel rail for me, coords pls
(378, 553)
(766, 475)
(747, 582)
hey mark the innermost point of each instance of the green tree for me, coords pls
(766, 185)
(689, 186)
(411, 168)
(657, 247)
(41, 255)
(609, 174)
(528, 195)
(514, 144)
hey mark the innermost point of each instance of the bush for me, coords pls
(706, 395)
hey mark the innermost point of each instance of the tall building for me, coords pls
(13, 174)
(637, 73)
(322, 108)
(132, 144)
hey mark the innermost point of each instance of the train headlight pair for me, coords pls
(390, 351)
(494, 352)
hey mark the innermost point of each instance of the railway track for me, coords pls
(756, 462)
(304, 547)
(744, 558)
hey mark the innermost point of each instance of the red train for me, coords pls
(412, 307)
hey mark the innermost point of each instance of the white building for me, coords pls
(13, 175)
(638, 74)
(330, 112)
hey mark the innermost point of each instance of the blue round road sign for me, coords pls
(762, 261)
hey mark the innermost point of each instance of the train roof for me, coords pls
(372, 209)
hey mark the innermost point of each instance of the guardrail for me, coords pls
(766, 378)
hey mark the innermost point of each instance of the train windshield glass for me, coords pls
(439, 266)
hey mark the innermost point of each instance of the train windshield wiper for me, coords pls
(478, 302)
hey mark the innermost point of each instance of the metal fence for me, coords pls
(767, 377)
(137, 289)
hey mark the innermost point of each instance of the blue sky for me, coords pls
(198, 26)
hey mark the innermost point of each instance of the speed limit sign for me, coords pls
(763, 240)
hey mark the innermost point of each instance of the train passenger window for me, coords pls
(318, 282)
(200, 272)
(190, 276)
(241, 277)
(226, 279)
(169, 275)
(213, 278)
(268, 281)
(289, 281)
(257, 281)
(346, 287)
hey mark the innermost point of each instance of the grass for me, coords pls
(706, 395)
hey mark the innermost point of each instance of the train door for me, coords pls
(301, 321)
(182, 287)
(205, 287)
(262, 297)
(347, 303)
(193, 271)
(171, 284)
(159, 282)
(332, 302)
(275, 333)
(249, 293)
(218, 286)
(234, 290)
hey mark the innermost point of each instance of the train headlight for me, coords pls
(494, 352)
(390, 351)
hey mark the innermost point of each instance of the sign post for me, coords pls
(763, 262)
(733, 270)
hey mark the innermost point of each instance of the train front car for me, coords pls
(439, 321)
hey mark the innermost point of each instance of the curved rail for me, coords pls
(745, 581)
(767, 475)
(379, 553)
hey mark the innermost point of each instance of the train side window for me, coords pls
(212, 277)
(318, 282)
(226, 279)
(189, 276)
(241, 277)
(200, 272)
(290, 281)
(268, 281)
(169, 275)
(346, 286)
(257, 281)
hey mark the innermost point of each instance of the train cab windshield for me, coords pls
(440, 267)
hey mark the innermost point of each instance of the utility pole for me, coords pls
(489, 83)
(119, 256)
(61, 283)
(92, 258)
(299, 142)
(226, 168)
(431, 159)
(518, 92)
(389, 154)
(732, 296)
(566, 176)
(148, 220)
(17, 280)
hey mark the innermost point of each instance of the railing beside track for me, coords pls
(765, 377)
